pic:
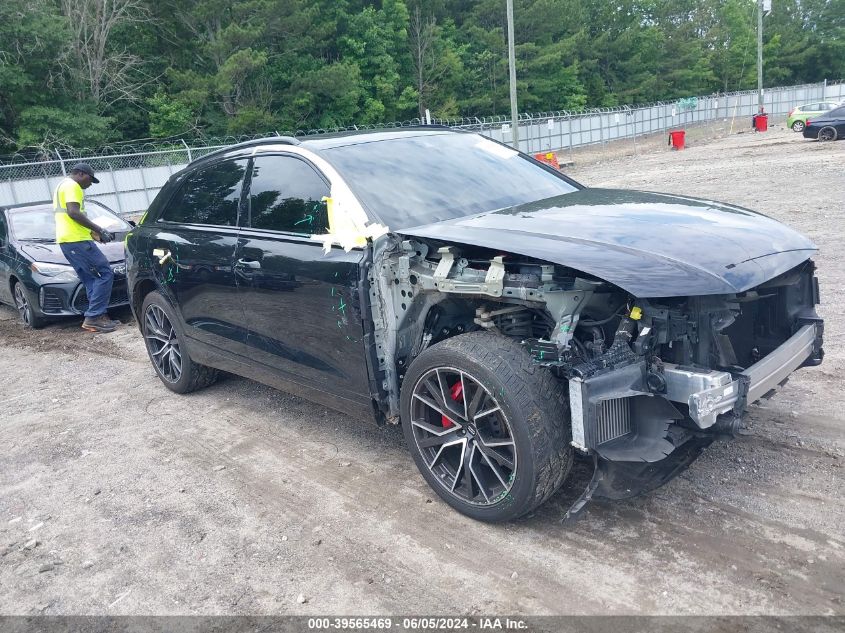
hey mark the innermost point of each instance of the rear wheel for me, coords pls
(166, 349)
(487, 427)
(798, 126)
(827, 134)
(26, 308)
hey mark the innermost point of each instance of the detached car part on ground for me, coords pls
(505, 315)
(35, 277)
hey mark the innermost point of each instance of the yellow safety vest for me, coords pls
(68, 229)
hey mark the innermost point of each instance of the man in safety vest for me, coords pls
(74, 235)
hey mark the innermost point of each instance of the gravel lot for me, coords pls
(118, 497)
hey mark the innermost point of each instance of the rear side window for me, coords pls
(838, 113)
(286, 194)
(210, 195)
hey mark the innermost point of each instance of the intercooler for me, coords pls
(613, 419)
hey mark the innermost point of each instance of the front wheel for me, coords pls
(26, 309)
(827, 134)
(798, 126)
(166, 348)
(488, 428)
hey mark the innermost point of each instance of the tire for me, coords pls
(164, 340)
(798, 126)
(827, 134)
(25, 305)
(515, 412)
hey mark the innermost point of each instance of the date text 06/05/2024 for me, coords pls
(417, 623)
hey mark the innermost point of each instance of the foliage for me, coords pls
(85, 72)
(81, 126)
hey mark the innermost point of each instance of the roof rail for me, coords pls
(284, 140)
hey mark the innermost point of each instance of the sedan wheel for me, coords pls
(27, 313)
(166, 349)
(487, 427)
(798, 126)
(827, 134)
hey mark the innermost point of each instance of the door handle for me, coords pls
(249, 263)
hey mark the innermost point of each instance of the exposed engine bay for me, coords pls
(651, 382)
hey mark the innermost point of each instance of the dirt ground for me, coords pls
(118, 497)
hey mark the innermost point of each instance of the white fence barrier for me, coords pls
(129, 182)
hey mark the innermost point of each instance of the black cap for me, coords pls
(85, 168)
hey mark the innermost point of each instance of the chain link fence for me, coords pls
(130, 179)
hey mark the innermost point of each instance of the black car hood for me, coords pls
(52, 254)
(650, 244)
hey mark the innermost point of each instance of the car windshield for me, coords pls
(415, 180)
(39, 224)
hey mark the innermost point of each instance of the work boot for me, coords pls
(114, 322)
(99, 323)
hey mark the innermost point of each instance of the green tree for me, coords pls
(85, 72)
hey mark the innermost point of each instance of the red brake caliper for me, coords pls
(457, 393)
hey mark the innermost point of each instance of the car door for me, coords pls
(194, 239)
(301, 304)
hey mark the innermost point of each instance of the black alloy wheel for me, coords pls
(464, 436)
(25, 309)
(162, 344)
(165, 346)
(487, 427)
(827, 133)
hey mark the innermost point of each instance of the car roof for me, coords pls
(330, 140)
(28, 206)
(44, 205)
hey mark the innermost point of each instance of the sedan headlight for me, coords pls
(56, 272)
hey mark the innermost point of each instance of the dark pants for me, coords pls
(93, 269)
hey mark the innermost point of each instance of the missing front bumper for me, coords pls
(709, 394)
(631, 433)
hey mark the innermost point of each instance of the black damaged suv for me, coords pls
(506, 316)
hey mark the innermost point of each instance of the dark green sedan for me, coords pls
(35, 277)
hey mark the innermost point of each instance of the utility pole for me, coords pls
(760, 56)
(512, 65)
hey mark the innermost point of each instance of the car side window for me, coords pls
(210, 195)
(286, 194)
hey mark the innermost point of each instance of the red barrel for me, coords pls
(676, 139)
(761, 122)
